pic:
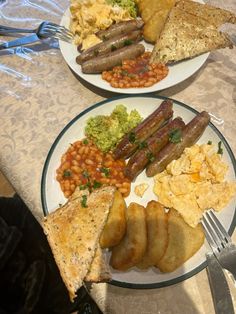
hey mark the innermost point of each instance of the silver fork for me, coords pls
(44, 30)
(220, 242)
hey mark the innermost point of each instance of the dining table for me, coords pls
(40, 95)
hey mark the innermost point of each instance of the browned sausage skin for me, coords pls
(130, 142)
(110, 45)
(109, 61)
(190, 134)
(120, 28)
(151, 147)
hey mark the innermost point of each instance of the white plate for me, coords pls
(52, 195)
(177, 73)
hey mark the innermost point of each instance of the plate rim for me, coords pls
(119, 97)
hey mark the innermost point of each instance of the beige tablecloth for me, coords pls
(40, 95)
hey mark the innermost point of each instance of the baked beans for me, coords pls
(86, 166)
(136, 73)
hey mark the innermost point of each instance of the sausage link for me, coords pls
(119, 29)
(139, 160)
(109, 61)
(130, 142)
(110, 45)
(190, 134)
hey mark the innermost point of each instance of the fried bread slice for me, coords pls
(73, 233)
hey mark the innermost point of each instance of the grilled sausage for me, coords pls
(129, 143)
(110, 45)
(151, 147)
(190, 134)
(119, 29)
(109, 61)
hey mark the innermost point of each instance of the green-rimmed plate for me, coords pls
(52, 195)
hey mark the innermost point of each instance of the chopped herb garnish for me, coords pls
(150, 156)
(96, 52)
(85, 174)
(124, 72)
(220, 149)
(142, 145)
(106, 171)
(83, 187)
(175, 136)
(209, 142)
(128, 42)
(113, 48)
(66, 173)
(85, 141)
(104, 37)
(97, 184)
(132, 137)
(84, 201)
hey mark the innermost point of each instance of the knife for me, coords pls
(20, 41)
(219, 287)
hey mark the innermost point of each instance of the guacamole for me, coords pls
(128, 5)
(106, 131)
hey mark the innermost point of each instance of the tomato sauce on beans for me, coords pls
(136, 73)
(84, 165)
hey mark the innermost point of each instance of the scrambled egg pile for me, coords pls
(194, 183)
(90, 16)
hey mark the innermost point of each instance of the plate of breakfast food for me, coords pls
(142, 47)
(124, 187)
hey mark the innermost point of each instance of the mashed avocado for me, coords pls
(106, 131)
(128, 5)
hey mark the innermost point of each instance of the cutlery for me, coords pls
(45, 30)
(20, 41)
(222, 299)
(220, 242)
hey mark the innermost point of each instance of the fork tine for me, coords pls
(61, 29)
(209, 236)
(63, 38)
(219, 228)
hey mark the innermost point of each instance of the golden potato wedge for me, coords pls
(157, 235)
(115, 226)
(183, 242)
(133, 246)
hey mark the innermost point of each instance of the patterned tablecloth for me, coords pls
(40, 95)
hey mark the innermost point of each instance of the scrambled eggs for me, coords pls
(90, 16)
(140, 189)
(194, 183)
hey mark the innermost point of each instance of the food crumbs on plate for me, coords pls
(136, 73)
(85, 166)
(195, 182)
(140, 189)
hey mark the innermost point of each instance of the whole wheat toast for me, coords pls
(73, 232)
(191, 30)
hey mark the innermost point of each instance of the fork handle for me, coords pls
(8, 29)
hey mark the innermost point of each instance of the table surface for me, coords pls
(40, 95)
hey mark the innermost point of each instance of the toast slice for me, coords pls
(99, 270)
(189, 31)
(73, 232)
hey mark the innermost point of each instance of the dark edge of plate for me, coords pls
(45, 168)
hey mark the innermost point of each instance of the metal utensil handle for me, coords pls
(8, 29)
